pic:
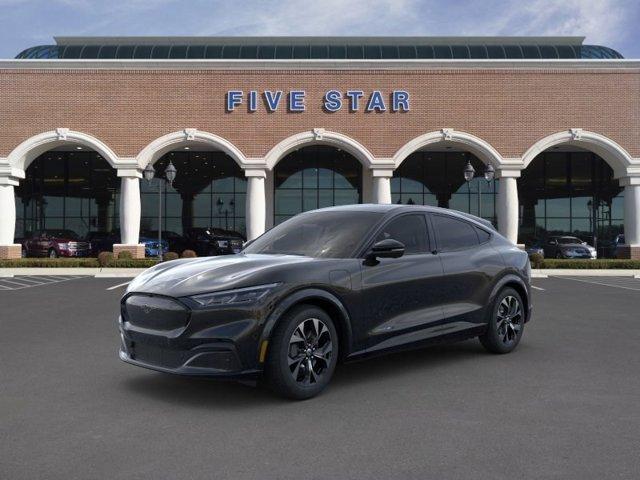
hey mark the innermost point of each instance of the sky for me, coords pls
(26, 23)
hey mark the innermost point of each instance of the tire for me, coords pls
(505, 325)
(52, 253)
(558, 255)
(287, 367)
(23, 253)
(212, 252)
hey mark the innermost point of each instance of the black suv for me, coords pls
(209, 242)
(326, 286)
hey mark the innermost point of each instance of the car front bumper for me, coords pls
(187, 341)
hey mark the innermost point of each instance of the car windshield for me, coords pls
(61, 234)
(569, 240)
(317, 234)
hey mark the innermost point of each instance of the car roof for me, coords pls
(399, 208)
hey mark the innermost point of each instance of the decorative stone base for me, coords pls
(629, 252)
(10, 252)
(137, 251)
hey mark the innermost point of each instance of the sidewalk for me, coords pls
(132, 272)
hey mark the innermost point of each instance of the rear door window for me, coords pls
(454, 234)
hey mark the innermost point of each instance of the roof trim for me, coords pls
(315, 40)
(318, 64)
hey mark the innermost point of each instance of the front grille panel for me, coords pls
(155, 313)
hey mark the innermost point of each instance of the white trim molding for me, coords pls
(319, 136)
(482, 149)
(184, 137)
(611, 152)
(30, 149)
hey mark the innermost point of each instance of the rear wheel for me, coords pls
(506, 323)
(303, 353)
(53, 253)
(558, 255)
(23, 254)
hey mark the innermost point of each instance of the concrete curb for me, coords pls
(93, 272)
(566, 272)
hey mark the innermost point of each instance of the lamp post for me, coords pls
(170, 175)
(220, 204)
(469, 174)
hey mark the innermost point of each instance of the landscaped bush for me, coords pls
(537, 260)
(599, 264)
(189, 254)
(50, 263)
(110, 262)
(104, 258)
(125, 255)
(170, 256)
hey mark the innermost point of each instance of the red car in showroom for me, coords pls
(55, 243)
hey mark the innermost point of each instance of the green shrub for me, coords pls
(50, 263)
(171, 256)
(537, 260)
(125, 255)
(597, 264)
(189, 254)
(133, 263)
(104, 258)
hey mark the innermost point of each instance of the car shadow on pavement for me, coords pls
(207, 393)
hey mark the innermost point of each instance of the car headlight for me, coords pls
(222, 243)
(240, 296)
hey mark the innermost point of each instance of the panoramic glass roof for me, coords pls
(318, 51)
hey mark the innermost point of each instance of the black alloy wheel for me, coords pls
(303, 353)
(506, 323)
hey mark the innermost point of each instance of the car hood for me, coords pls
(151, 240)
(65, 239)
(573, 245)
(179, 278)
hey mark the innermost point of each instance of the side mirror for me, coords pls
(387, 248)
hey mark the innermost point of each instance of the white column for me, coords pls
(130, 210)
(382, 186)
(7, 214)
(256, 203)
(507, 206)
(631, 210)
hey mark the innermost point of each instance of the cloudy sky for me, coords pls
(25, 23)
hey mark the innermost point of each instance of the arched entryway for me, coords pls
(75, 190)
(209, 190)
(435, 177)
(571, 191)
(313, 177)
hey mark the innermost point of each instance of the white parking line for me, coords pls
(15, 283)
(119, 285)
(537, 288)
(600, 283)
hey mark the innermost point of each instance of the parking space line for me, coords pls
(599, 283)
(4, 280)
(29, 279)
(119, 285)
(537, 288)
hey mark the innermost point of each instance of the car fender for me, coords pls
(504, 280)
(298, 297)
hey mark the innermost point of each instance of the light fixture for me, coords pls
(489, 173)
(149, 172)
(469, 172)
(170, 172)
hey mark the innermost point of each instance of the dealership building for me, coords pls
(262, 128)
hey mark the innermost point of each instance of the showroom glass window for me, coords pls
(437, 179)
(209, 191)
(72, 190)
(570, 193)
(315, 177)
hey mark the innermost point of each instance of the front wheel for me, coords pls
(302, 354)
(506, 323)
(53, 253)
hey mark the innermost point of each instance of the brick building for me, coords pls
(260, 129)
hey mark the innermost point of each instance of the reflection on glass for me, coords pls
(73, 190)
(315, 177)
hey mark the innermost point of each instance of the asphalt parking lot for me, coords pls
(564, 405)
